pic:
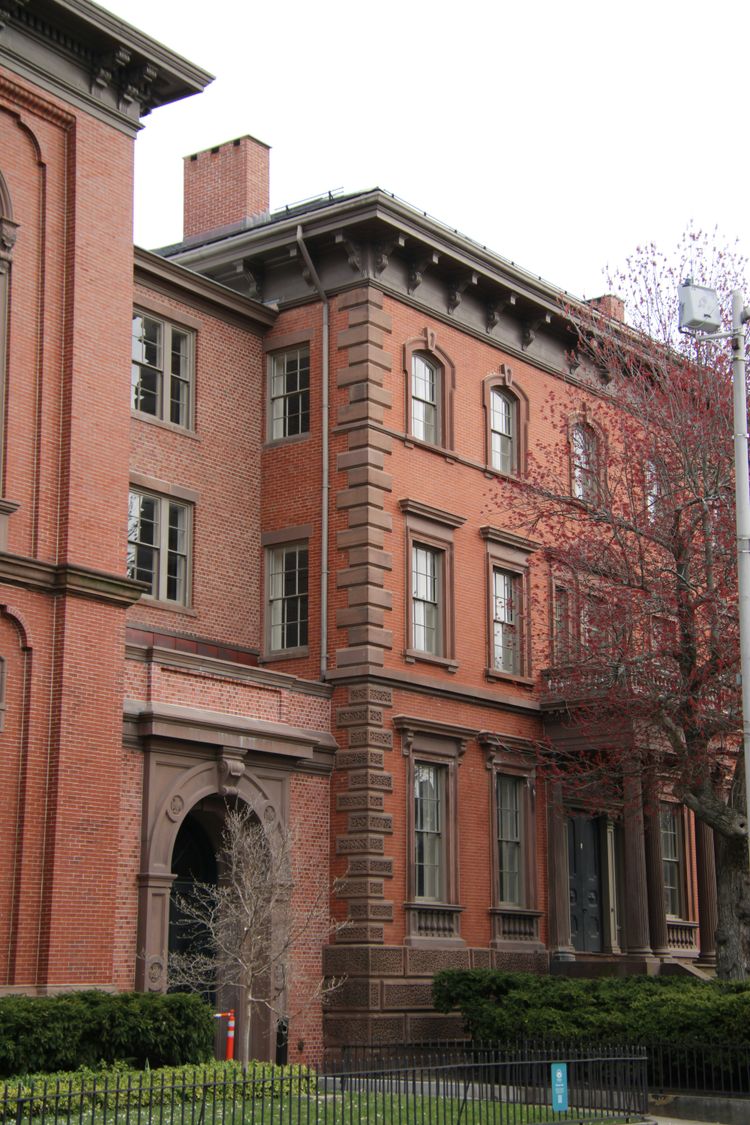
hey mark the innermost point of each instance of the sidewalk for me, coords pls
(677, 1121)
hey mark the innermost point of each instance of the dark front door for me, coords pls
(584, 866)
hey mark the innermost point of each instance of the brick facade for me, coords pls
(128, 711)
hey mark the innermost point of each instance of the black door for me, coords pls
(584, 865)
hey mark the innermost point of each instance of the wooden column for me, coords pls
(707, 909)
(636, 888)
(655, 878)
(560, 943)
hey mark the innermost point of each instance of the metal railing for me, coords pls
(677, 1068)
(463, 1086)
(700, 1068)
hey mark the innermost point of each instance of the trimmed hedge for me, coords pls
(500, 1007)
(40, 1034)
(119, 1086)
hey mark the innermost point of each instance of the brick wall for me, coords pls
(225, 184)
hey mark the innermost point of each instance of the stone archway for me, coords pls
(177, 780)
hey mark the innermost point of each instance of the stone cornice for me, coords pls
(176, 281)
(425, 685)
(68, 579)
(412, 228)
(197, 662)
(194, 725)
(508, 539)
(426, 511)
(94, 60)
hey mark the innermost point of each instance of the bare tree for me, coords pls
(646, 655)
(243, 932)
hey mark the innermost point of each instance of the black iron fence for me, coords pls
(458, 1087)
(699, 1068)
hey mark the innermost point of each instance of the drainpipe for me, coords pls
(326, 485)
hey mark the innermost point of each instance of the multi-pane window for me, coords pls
(596, 627)
(671, 852)
(425, 604)
(161, 370)
(288, 585)
(506, 621)
(158, 545)
(585, 464)
(290, 393)
(562, 626)
(509, 837)
(503, 428)
(425, 397)
(654, 490)
(429, 850)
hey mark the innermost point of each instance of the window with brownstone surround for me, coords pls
(506, 409)
(289, 393)
(430, 380)
(511, 771)
(287, 563)
(430, 620)
(432, 908)
(508, 623)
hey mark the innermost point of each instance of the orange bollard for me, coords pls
(230, 1036)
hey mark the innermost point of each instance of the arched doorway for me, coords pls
(215, 873)
(194, 866)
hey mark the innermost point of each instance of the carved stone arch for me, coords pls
(176, 781)
(427, 345)
(188, 790)
(503, 379)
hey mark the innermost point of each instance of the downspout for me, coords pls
(326, 484)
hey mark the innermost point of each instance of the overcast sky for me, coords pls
(560, 135)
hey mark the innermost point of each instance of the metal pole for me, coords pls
(742, 502)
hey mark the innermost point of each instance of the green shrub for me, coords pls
(40, 1034)
(123, 1088)
(501, 1007)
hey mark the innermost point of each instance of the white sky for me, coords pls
(560, 135)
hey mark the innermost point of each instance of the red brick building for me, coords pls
(309, 602)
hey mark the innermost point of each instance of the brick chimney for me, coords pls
(224, 185)
(609, 305)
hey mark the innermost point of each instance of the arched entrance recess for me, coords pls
(176, 782)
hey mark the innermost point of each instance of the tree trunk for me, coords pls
(246, 1006)
(733, 903)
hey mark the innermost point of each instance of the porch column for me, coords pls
(636, 889)
(655, 878)
(707, 909)
(560, 943)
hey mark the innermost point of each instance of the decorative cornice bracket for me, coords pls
(418, 268)
(457, 288)
(383, 251)
(531, 327)
(353, 255)
(496, 308)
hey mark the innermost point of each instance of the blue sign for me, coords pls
(560, 1087)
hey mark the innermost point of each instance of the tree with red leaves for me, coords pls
(646, 641)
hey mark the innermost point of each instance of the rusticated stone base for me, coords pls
(387, 994)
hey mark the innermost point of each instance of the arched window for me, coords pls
(430, 382)
(584, 463)
(8, 229)
(504, 430)
(506, 410)
(426, 393)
